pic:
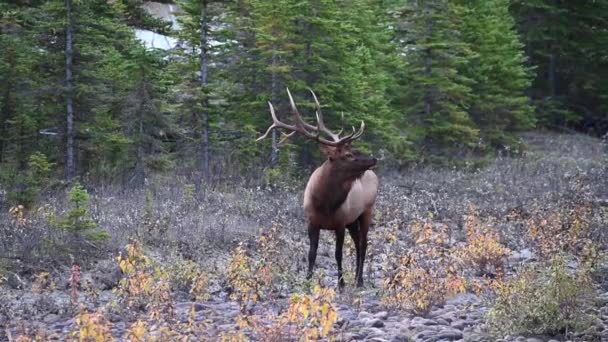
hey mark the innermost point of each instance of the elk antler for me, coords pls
(308, 130)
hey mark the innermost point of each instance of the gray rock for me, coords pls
(534, 339)
(377, 339)
(602, 299)
(364, 314)
(451, 335)
(381, 315)
(475, 337)
(372, 332)
(525, 255)
(463, 299)
(459, 324)
(399, 338)
(226, 327)
(448, 316)
(423, 335)
(374, 322)
(417, 321)
(14, 281)
(442, 321)
(106, 275)
(51, 318)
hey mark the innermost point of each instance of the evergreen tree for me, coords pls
(436, 94)
(146, 124)
(567, 42)
(202, 92)
(499, 106)
(21, 88)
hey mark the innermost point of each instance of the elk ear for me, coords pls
(329, 151)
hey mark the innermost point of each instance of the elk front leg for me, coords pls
(339, 244)
(353, 230)
(313, 236)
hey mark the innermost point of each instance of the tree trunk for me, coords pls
(274, 153)
(428, 60)
(551, 73)
(139, 175)
(428, 97)
(69, 55)
(427, 71)
(204, 84)
(6, 115)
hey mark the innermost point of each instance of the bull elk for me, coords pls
(341, 193)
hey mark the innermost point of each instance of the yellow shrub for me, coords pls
(422, 276)
(560, 230)
(244, 278)
(92, 327)
(483, 249)
(310, 317)
(144, 286)
(253, 279)
(313, 315)
(42, 282)
(138, 332)
(187, 275)
(17, 214)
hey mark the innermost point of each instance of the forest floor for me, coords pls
(447, 250)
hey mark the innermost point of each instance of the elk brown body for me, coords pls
(340, 194)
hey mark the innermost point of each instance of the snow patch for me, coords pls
(154, 40)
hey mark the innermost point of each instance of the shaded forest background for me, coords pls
(435, 81)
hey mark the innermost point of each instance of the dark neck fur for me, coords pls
(331, 192)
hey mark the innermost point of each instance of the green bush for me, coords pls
(543, 300)
(26, 186)
(77, 219)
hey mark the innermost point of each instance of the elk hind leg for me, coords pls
(339, 245)
(365, 220)
(313, 236)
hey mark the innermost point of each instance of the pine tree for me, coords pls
(202, 92)
(370, 70)
(499, 106)
(567, 43)
(19, 119)
(436, 94)
(142, 113)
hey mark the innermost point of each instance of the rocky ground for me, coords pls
(460, 319)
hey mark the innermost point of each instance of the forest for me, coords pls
(137, 202)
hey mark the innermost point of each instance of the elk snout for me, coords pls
(370, 162)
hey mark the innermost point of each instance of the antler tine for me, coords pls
(299, 127)
(276, 123)
(299, 121)
(286, 136)
(359, 132)
(320, 122)
(352, 136)
(305, 129)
